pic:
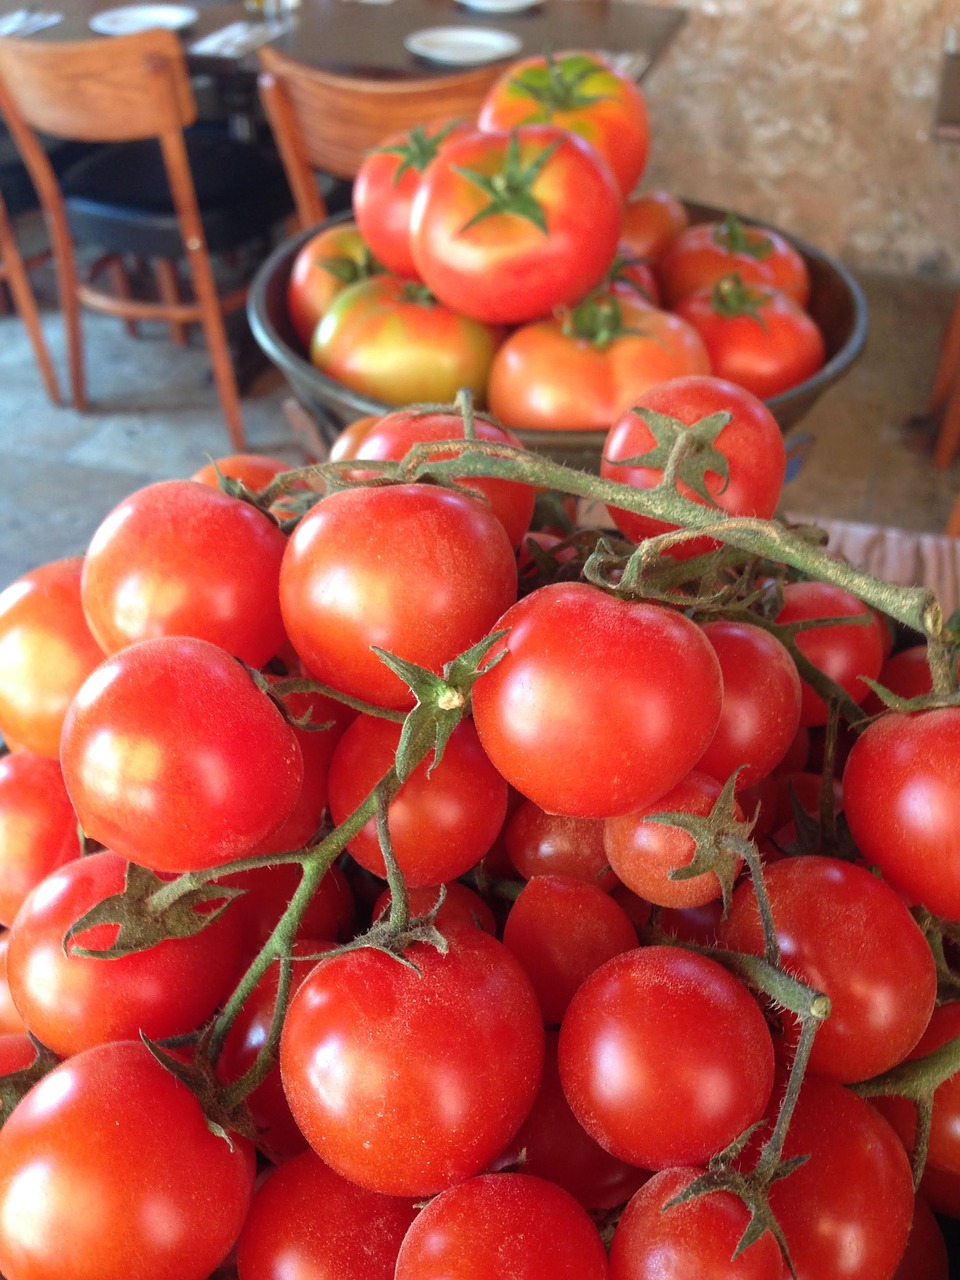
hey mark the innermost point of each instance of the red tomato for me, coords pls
(165, 751)
(108, 1171)
(580, 371)
(701, 254)
(46, 653)
(756, 336)
(392, 436)
(503, 1226)
(253, 469)
(459, 904)
(642, 853)
(925, 1257)
(324, 266)
(349, 555)
(901, 788)
(407, 1078)
(846, 652)
(760, 715)
(696, 1238)
(266, 895)
(846, 933)
(71, 1002)
(665, 1057)
(544, 239)
(907, 674)
(386, 183)
(442, 820)
(651, 220)
(751, 444)
(38, 827)
(180, 558)
(394, 341)
(11, 1022)
(587, 679)
(540, 843)
(581, 92)
(561, 930)
(356, 1236)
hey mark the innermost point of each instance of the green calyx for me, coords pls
(731, 298)
(559, 86)
(511, 189)
(731, 234)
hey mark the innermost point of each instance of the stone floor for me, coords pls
(154, 414)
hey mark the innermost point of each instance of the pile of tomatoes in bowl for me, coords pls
(513, 255)
(402, 880)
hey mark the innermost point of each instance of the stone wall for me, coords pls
(816, 115)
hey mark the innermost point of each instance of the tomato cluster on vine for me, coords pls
(519, 902)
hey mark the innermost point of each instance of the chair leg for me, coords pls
(26, 305)
(168, 287)
(215, 335)
(949, 361)
(948, 435)
(67, 287)
(120, 284)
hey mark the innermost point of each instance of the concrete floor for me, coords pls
(154, 414)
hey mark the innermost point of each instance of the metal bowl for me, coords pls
(836, 303)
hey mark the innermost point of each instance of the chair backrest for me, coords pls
(327, 122)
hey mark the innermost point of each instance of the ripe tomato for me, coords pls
(751, 445)
(643, 853)
(906, 673)
(386, 183)
(459, 903)
(503, 1226)
(108, 1171)
(181, 558)
(845, 933)
(71, 1002)
(394, 341)
(545, 238)
(38, 827)
(925, 1257)
(11, 1022)
(346, 560)
(578, 371)
(760, 715)
(442, 820)
(407, 1078)
(324, 266)
(651, 220)
(665, 1057)
(757, 336)
(846, 652)
(581, 92)
(46, 653)
(701, 254)
(356, 1236)
(696, 1238)
(901, 787)
(540, 843)
(166, 753)
(581, 713)
(253, 469)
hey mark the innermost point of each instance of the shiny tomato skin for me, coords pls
(544, 379)
(72, 1002)
(406, 1079)
(695, 1239)
(38, 827)
(46, 652)
(503, 269)
(357, 1236)
(181, 558)
(134, 1184)
(540, 843)
(324, 266)
(846, 933)
(414, 569)
(901, 787)
(581, 668)
(594, 100)
(503, 1226)
(702, 254)
(444, 817)
(751, 442)
(392, 436)
(665, 1057)
(769, 350)
(165, 753)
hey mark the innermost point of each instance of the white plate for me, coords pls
(500, 6)
(143, 17)
(463, 46)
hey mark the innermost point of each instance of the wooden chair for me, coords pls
(156, 193)
(326, 123)
(13, 273)
(945, 395)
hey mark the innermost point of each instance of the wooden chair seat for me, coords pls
(327, 123)
(155, 193)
